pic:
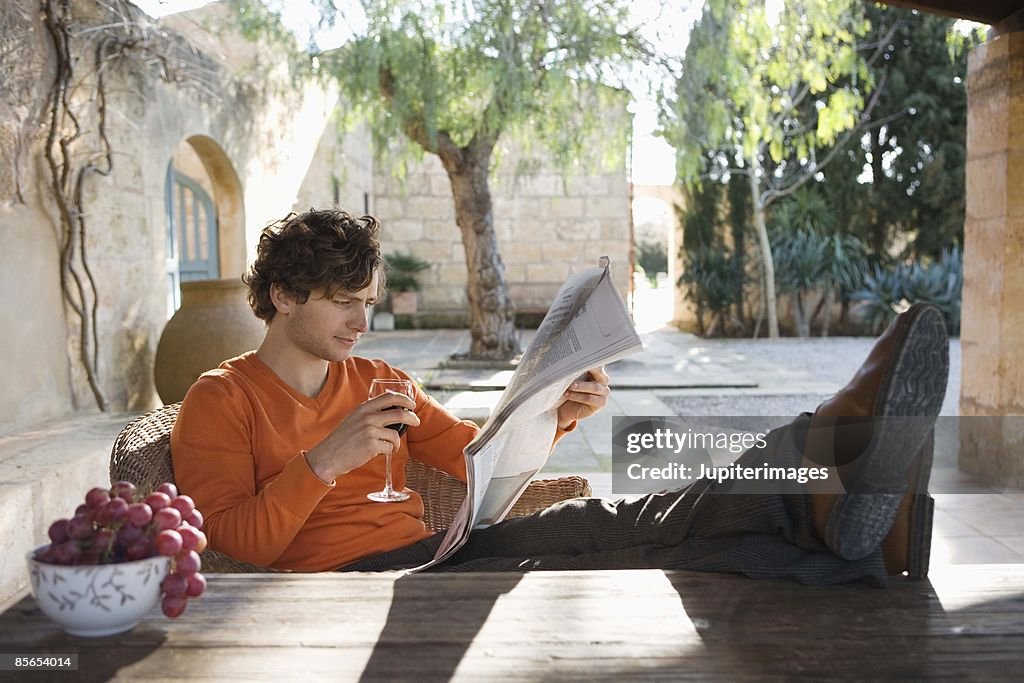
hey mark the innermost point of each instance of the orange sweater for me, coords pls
(238, 449)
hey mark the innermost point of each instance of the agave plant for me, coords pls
(880, 297)
(713, 279)
(938, 283)
(800, 266)
(809, 254)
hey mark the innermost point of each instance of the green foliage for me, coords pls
(759, 95)
(810, 254)
(799, 259)
(701, 216)
(401, 272)
(808, 250)
(652, 257)
(712, 274)
(711, 277)
(904, 182)
(886, 291)
(748, 84)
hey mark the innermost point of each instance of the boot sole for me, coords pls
(914, 386)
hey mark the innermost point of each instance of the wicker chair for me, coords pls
(142, 455)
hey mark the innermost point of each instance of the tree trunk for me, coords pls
(876, 230)
(716, 317)
(766, 257)
(802, 325)
(491, 312)
(827, 314)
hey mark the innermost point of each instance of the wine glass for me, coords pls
(379, 387)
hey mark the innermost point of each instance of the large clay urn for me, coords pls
(213, 324)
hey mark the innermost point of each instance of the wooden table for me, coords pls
(966, 622)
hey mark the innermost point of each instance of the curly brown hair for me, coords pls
(320, 249)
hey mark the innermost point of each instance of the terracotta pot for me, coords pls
(403, 303)
(213, 324)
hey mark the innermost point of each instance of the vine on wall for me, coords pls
(78, 112)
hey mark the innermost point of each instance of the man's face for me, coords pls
(329, 328)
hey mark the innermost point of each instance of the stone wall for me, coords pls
(547, 227)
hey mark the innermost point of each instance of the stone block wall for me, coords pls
(546, 226)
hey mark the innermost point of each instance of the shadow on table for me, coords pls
(425, 638)
(757, 629)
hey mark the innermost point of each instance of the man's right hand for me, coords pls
(361, 436)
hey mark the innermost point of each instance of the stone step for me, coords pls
(45, 472)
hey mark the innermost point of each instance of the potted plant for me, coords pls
(403, 283)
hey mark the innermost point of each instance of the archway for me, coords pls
(655, 225)
(205, 216)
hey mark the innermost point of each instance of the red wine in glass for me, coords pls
(379, 387)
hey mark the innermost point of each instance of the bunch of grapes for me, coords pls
(113, 527)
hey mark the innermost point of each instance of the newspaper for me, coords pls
(587, 326)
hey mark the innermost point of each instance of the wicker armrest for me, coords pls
(543, 493)
(443, 494)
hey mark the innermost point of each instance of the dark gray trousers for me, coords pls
(702, 527)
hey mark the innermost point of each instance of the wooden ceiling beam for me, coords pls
(995, 12)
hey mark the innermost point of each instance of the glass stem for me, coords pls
(387, 473)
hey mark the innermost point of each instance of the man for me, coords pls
(279, 448)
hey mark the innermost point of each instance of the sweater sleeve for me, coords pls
(211, 448)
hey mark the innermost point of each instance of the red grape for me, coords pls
(46, 554)
(167, 542)
(167, 518)
(192, 539)
(183, 504)
(80, 527)
(195, 518)
(118, 508)
(174, 585)
(174, 606)
(96, 498)
(128, 535)
(139, 514)
(82, 509)
(188, 562)
(196, 585)
(158, 500)
(103, 539)
(59, 531)
(104, 514)
(139, 550)
(66, 552)
(124, 490)
(168, 488)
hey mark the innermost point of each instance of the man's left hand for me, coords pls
(584, 397)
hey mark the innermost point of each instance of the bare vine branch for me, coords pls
(115, 40)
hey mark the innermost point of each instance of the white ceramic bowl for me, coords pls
(97, 599)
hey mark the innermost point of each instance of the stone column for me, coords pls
(992, 333)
